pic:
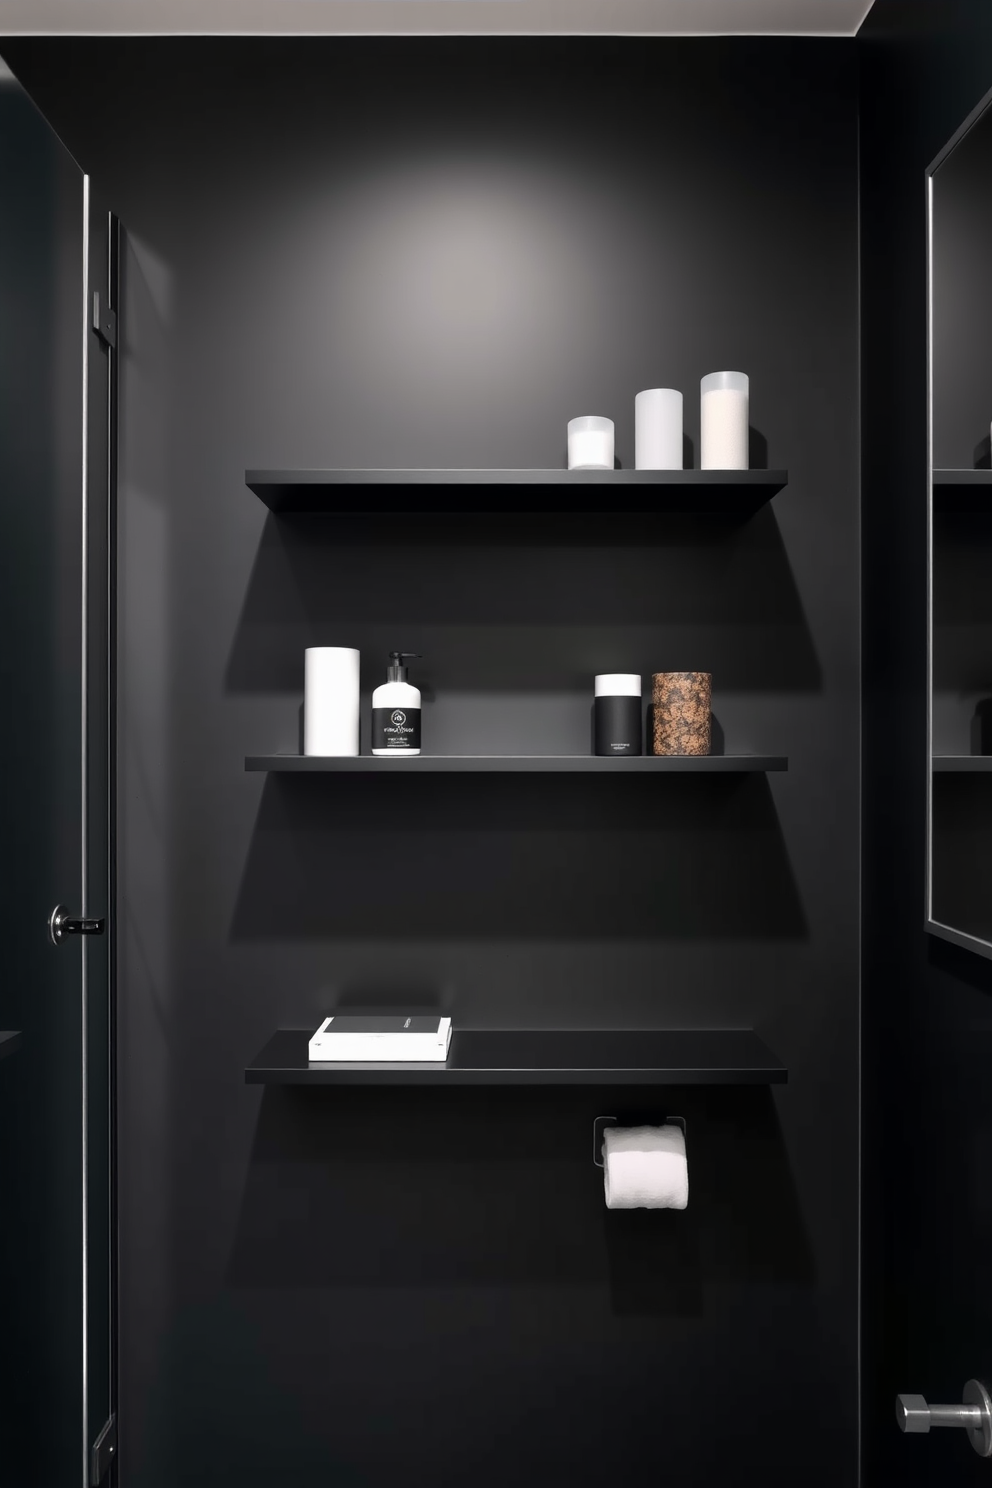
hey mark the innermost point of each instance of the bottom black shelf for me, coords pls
(485, 1057)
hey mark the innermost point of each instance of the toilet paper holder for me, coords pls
(600, 1123)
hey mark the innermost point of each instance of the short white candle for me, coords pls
(590, 443)
(658, 429)
(723, 414)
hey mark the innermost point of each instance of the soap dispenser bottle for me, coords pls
(396, 710)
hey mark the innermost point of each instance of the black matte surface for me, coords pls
(733, 493)
(967, 764)
(526, 764)
(41, 460)
(546, 1057)
(927, 1053)
(434, 253)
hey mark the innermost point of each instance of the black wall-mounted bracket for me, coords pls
(600, 1123)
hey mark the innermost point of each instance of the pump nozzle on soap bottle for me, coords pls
(396, 710)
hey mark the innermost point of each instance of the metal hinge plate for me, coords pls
(103, 1452)
(104, 321)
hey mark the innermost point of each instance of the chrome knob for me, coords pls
(61, 924)
(974, 1414)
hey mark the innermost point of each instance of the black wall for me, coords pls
(928, 1017)
(435, 253)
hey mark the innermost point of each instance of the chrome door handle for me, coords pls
(975, 1415)
(61, 924)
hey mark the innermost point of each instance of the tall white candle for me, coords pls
(331, 700)
(723, 415)
(590, 443)
(658, 429)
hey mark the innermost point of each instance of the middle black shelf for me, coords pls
(518, 764)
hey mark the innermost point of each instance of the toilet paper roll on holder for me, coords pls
(600, 1123)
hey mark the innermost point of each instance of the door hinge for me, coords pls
(104, 321)
(103, 1452)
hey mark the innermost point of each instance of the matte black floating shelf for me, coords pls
(732, 492)
(482, 1057)
(9, 1042)
(963, 764)
(962, 490)
(517, 764)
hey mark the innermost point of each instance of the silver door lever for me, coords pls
(61, 923)
(975, 1415)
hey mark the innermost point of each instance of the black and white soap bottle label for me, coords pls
(395, 728)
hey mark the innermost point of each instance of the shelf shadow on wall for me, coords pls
(975, 971)
(545, 857)
(527, 601)
(432, 1189)
(961, 849)
(962, 602)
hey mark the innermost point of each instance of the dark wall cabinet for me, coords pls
(959, 883)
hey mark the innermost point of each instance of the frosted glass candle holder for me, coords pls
(331, 700)
(723, 414)
(590, 443)
(658, 429)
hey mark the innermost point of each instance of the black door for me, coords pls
(56, 1008)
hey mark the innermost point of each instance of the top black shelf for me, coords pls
(962, 490)
(731, 492)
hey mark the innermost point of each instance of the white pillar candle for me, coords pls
(590, 443)
(658, 429)
(723, 421)
(331, 700)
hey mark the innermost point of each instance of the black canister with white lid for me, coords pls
(618, 728)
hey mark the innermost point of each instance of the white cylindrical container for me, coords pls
(658, 429)
(723, 421)
(331, 703)
(590, 443)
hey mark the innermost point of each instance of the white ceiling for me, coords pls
(432, 17)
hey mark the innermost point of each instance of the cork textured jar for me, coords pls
(681, 712)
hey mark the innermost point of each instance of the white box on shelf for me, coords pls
(376, 1038)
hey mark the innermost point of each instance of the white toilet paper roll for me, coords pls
(645, 1167)
(331, 700)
